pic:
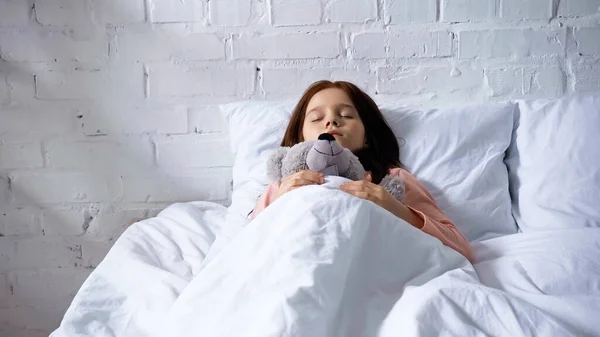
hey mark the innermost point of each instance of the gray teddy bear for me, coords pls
(325, 155)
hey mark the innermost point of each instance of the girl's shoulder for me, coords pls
(398, 171)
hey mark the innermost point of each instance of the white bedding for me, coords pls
(320, 262)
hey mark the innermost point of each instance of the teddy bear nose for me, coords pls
(326, 136)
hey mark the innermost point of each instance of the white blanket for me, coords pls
(319, 262)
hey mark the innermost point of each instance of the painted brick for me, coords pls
(518, 82)
(127, 82)
(68, 222)
(4, 288)
(37, 46)
(35, 122)
(49, 284)
(296, 13)
(20, 86)
(176, 189)
(578, 7)
(467, 10)
(63, 187)
(410, 11)
(93, 252)
(421, 79)
(20, 221)
(127, 155)
(163, 46)
(125, 119)
(74, 13)
(14, 13)
(23, 332)
(206, 120)
(193, 151)
(505, 82)
(20, 155)
(287, 81)
(514, 43)
(8, 248)
(368, 45)
(233, 13)
(526, 10)
(291, 81)
(44, 317)
(588, 40)
(45, 252)
(4, 87)
(176, 10)
(587, 78)
(168, 80)
(352, 11)
(118, 11)
(543, 81)
(422, 44)
(287, 46)
(4, 189)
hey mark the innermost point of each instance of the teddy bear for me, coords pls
(327, 156)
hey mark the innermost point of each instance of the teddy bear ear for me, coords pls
(274, 164)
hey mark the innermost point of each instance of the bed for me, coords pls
(520, 179)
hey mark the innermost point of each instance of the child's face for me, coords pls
(331, 111)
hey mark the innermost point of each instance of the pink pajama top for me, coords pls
(416, 198)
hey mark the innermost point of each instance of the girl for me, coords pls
(352, 117)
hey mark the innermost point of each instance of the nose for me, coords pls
(332, 120)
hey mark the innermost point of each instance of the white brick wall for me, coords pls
(409, 11)
(298, 46)
(569, 8)
(233, 13)
(351, 11)
(467, 10)
(14, 13)
(513, 43)
(109, 108)
(296, 13)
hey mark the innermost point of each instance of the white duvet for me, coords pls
(320, 262)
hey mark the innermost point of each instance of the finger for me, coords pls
(306, 175)
(302, 182)
(351, 187)
(358, 185)
(317, 177)
(360, 194)
(369, 177)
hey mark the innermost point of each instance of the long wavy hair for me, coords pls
(381, 153)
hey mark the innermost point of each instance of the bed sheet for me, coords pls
(153, 280)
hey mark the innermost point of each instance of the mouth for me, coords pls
(334, 133)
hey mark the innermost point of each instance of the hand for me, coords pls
(366, 190)
(299, 179)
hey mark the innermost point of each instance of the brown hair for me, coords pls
(382, 151)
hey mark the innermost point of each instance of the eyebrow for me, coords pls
(339, 105)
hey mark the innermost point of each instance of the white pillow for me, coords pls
(554, 163)
(457, 153)
(256, 129)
